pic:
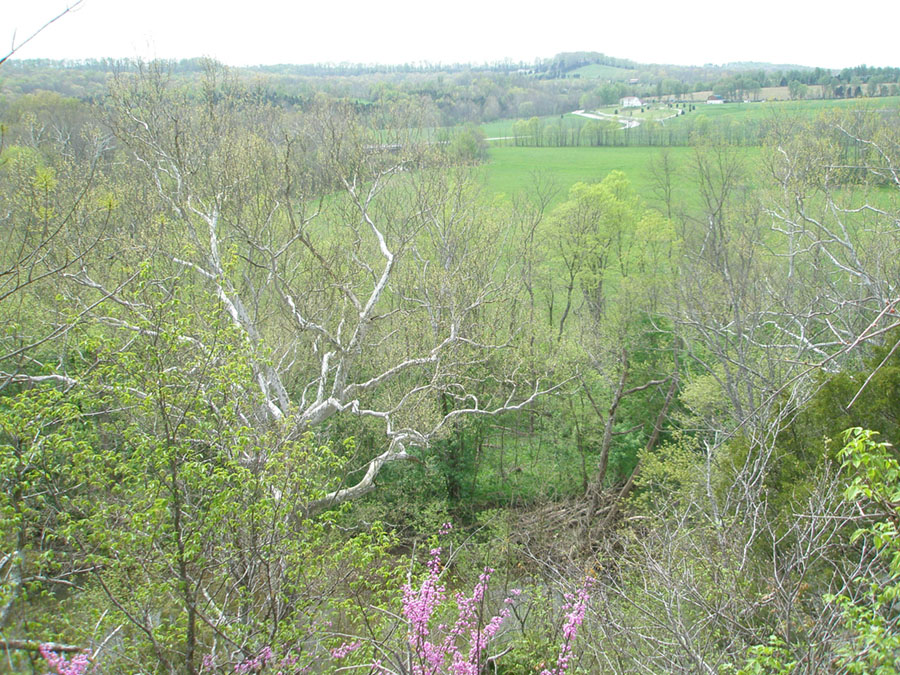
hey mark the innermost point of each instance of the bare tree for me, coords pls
(835, 208)
(57, 213)
(363, 272)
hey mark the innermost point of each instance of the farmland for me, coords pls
(671, 124)
(510, 169)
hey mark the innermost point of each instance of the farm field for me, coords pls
(727, 113)
(510, 169)
(765, 110)
(599, 71)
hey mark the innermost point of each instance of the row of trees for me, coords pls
(687, 129)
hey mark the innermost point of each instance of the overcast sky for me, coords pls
(690, 32)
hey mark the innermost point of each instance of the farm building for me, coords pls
(630, 102)
(715, 98)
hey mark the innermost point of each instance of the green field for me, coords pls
(504, 128)
(510, 169)
(755, 112)
(723, 115)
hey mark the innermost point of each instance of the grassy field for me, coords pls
(503, 128)
(510, 169)
(724, 115)
(774, 109)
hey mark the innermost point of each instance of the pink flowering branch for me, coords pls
(445, 655)
(59, 665)
(576, 606)
(457, 649)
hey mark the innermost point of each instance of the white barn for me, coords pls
(630, 102)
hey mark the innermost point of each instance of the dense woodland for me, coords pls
(462, 94)
(285, 388)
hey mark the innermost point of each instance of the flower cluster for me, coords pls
(575, 606)
(444, 654)
(344, 649)
(60, 666)
(264, 661)
(444, 649)
(256, 663)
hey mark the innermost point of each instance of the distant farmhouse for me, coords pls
(715, 98)
(630, 102)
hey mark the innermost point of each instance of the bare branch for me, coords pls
(16, 47)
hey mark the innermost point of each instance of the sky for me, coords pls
(252, 32)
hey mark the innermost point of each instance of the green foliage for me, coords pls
(467, 145)
(877, 406)
(870, 642)
(827, 415)
(179, 513)
(669, 473)
(871, 619)
(769, 659)
(876, 476)
(41, 430)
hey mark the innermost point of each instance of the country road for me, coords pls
(626, 122)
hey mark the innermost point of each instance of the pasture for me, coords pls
(511, 170)
(771, 110)
(740, 122)
(596, 71)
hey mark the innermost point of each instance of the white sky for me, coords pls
(691, 32)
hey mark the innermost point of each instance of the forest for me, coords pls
(287, 385)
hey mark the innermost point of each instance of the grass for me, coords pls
(804, 109)
(655, 111)
(503, 128)
(510, 169)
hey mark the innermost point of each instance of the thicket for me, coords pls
(254, 357)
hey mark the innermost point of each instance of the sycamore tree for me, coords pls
(231, 280)
(367, 275)
(225, 279)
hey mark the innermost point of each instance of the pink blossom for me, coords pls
(344, 649)
(255, 663)
(61, 666)
(434, 656)
(574, 618)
